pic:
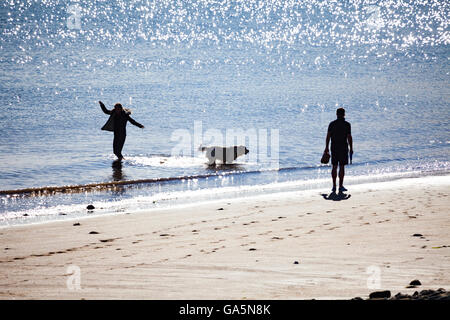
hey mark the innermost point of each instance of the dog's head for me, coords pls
(241, 150)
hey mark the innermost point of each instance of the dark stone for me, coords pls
(220, 209)
(76, 224)
(90, 207)
(435, 294)
(417, 235)
(380, 294)
(295, 262)
(25, 215)
(426, 292)
(439, 294)
(415, 283)
(401, 296)
(252, 249)
(93, 232)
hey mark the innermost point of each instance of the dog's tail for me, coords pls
(201, 148)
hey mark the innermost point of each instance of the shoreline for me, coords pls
(254, 191)
(242, 248)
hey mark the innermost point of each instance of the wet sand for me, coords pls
(293, 245)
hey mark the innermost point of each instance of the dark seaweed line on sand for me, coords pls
(92, 186)
(100, 186)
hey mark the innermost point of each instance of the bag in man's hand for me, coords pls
(325, 158)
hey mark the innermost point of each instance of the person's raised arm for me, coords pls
(104, 108)
(137, 124)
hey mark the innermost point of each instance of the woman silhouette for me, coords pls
(117, 123)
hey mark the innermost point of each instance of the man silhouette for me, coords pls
(117, 123)
(339, 132)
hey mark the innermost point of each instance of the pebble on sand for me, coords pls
(76, 224)
(90, 207)
(93, 232)
(439, 294)
(415, 283)
(380, 294)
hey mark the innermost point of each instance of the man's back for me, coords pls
(339, 130)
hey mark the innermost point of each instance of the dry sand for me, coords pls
(245, 251)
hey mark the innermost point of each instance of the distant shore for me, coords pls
(292, 245)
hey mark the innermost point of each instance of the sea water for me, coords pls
(276, 67)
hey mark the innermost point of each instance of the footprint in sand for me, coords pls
(107, 240)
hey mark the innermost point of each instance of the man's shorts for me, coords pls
(339, 157)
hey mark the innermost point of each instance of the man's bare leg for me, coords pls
(341, 178)
(333, 176)
(341, 175)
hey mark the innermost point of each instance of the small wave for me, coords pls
(165, 161)
(167, 199)
(218, 171)
(210, 172)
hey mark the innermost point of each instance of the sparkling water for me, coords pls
(250, 65)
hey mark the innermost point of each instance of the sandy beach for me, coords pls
(293, 245)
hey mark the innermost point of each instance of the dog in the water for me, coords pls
(223, 154)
